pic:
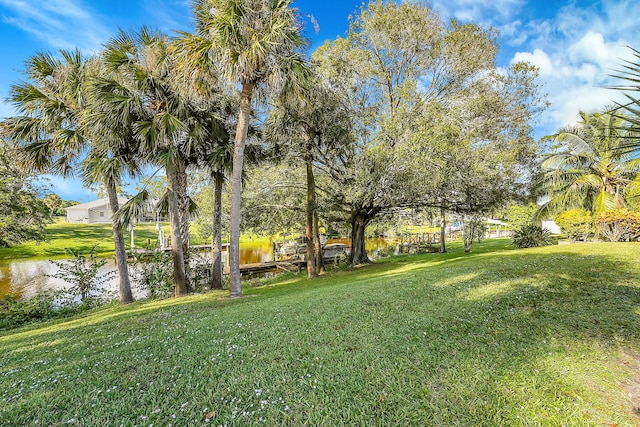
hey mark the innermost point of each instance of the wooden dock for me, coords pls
(292, 264)
(269, 266)
(197, 247)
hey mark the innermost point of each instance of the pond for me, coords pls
(28, 278)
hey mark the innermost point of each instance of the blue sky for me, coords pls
(576, 44)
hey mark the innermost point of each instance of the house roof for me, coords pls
(96, 204)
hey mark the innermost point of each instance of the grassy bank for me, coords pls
(546, 336)
(82, 237)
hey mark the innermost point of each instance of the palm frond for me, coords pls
(133, 210)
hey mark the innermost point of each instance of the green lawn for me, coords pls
(538, 337)
(82, 237)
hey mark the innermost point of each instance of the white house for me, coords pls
(548, 223)
(98, 211)
(551, 226)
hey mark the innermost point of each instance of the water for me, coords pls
(28, 278)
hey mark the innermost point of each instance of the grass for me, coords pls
(536, 337)
(83, 237)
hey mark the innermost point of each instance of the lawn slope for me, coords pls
(546, 336)
(81, 237)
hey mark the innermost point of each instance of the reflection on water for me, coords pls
(28, 278)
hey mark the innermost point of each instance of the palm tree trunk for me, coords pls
(311, 187)
(236, 187)
(216, 240)
(177, 253)
(121, 253)
(183, 209)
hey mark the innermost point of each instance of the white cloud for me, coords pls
(575, 99)
(514, 33)
(538, 58)
(593, 48)
(61, 24)
(171, 15)
(479, 11)
(577, 50)
(576, 45)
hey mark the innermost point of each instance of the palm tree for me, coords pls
(202, 80)
(588, 169)
(140, 98)
(257, 42)
(630, 76)
(155, 95)
(109, 169)
(53, 134)
(219, 172)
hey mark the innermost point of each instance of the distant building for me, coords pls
(548, 223)
(98, 211)
(551, 226)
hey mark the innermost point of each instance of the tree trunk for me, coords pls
(471, 225)
(216, 241)
(310, 208)
(121, 253)
(236, 187)
(468, 231)
(319, 252)
(359, 224)
(443, 235)
(183, 203)
(179, 273)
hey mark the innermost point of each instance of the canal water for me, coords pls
(26, 279)
(29, 278)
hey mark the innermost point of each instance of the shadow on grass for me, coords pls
(524, 326)
(529, 337)
(548, 325)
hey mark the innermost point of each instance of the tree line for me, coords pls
(405, 111)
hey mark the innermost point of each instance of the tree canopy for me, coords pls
(23, 215)
(405, 112)
(436, 122)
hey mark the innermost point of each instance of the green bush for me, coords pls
(83, 273)
(531, 236)
(15, 312)
(153, 273)
(577, 224)
(519, 216)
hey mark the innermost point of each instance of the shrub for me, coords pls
(576, 223)
(519, 216)
(619, 225)
(531, 236)
(199, 271)
(153, 273)
(15, 312)
(83, 273)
